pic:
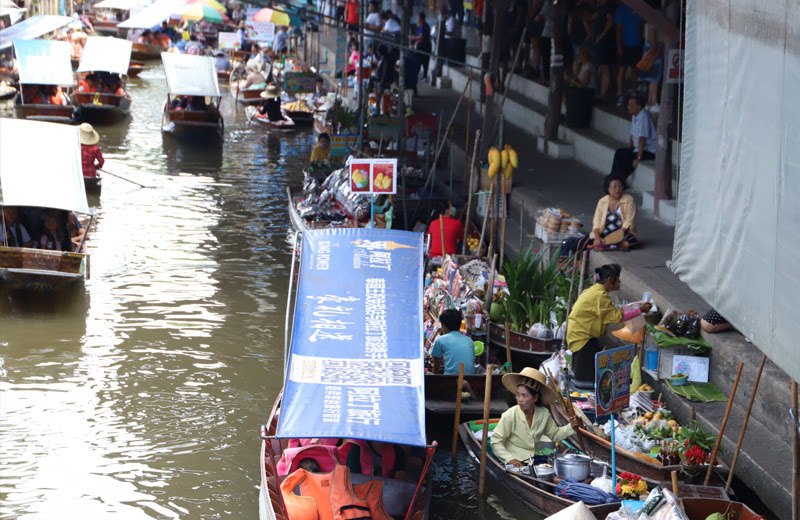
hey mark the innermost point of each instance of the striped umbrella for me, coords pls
(211, 3)
(202, 12)
(277, 17)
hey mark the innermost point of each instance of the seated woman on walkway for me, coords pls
(518, 434)
(614, 219)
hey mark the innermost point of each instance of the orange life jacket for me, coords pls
(331, 496)
(86, 85)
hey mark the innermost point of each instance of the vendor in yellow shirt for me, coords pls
(591, 315)
(516, 437)
(322, 151)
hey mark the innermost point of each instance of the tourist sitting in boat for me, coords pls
(222, 62)
(91, 156)
(88, 83)
(198, 103)
(32, 95)
(255, 79)
(76, 230)
(591, 315)
(321, 154)
(179, 103)
(374, 458)
(271, 106)
(517, 436)
(54, 237)
(194, 47)
(452, 348)
(56, 95)
(452, 229)
(146, 38)
(12, 232)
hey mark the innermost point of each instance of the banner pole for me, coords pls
(613, 458)
(372, 210)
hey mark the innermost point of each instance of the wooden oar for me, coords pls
(124, 178)
(487, 397)
(744, 425)
(569, 409)
(713, 458)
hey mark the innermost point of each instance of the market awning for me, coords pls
(122, 5)
(356, 361)
(106, 54)
(10, 9)
(44, 62)
(32, 28)
(189, 75)
(152, 15)
(48, 180)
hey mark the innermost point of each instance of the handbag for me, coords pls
(649, 59)
(615, 237)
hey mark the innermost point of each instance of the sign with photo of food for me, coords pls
(612, 379)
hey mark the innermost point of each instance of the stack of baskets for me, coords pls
(555, 224)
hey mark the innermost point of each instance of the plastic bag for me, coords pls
(540, 331)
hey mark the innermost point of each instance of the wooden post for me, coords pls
(487, 396)
(583, 272)
(744, 425)
(713, 458)
(441, 232)
(457, 419)
(675, 490)
(508, 344)
(469, 194)
(485, 218)
(468, 167)
(502, 218)
(795, 457)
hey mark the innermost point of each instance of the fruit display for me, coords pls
(297, 106)
(360, 178)
(382, 182)
(473, 243)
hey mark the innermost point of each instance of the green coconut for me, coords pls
(497, 313)
(716, 516)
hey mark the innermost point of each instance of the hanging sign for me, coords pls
(341, 143)
(373, 176)
(297, 82)
(675, 70)
(229, 40)
(341, 49)
(259, 31)
(612, 379)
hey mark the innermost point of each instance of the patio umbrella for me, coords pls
(211, 3)
(276, 17)
(202, 12)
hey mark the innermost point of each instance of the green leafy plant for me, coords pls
(533, 290)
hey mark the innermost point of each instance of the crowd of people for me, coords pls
(40, 228)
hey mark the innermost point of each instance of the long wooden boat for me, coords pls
(135, 68)
(147, 51)
(301, 118)
(526, 351)
(193, 123)
(286, 125)
(537, 493)
(295, 195)
(440, 395)
(223, 77)
(39, 270)
(100, 107)
(245, 97)
(44, 112)
(641, 464)
(105, 27)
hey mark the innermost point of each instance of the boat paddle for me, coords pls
(124, 178)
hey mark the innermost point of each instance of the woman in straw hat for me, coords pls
(271, 106)
(519, 432)
(255, 79)
(91, 156)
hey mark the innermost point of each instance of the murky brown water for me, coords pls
(141, 395)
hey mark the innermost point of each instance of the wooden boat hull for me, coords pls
(93, 183)
(135, 68)
(440, 395)
(301, 118)
(106, 27)
(100, 108)
(245, 97)
(223, 77)
(701, 508)
(526, 351)
(48, 113)
(270, 502)
(287, 125)
(194, 124)
(534, 492)
(299, 223)
(38, 270)
(146, 51)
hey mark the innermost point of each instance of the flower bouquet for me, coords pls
(630, 486)
(693, 457)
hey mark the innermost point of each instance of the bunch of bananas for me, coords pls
(505, 160)
(297, 106)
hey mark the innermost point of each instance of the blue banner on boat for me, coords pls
(356, 360)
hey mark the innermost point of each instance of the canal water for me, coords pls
(140, 395)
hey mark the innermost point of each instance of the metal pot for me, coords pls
(543, 472)
(596, 469)
(573, 466)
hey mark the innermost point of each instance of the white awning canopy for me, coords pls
(106, 54)
(48, 180)
(153, 15)
(122, 5)
(32, 28)
(189, 75)
(10, 9)
(44, 62)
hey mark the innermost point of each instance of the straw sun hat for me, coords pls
(534, 379)
(89, 135)
(271, 92)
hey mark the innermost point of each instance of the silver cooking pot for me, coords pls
(573, 466)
